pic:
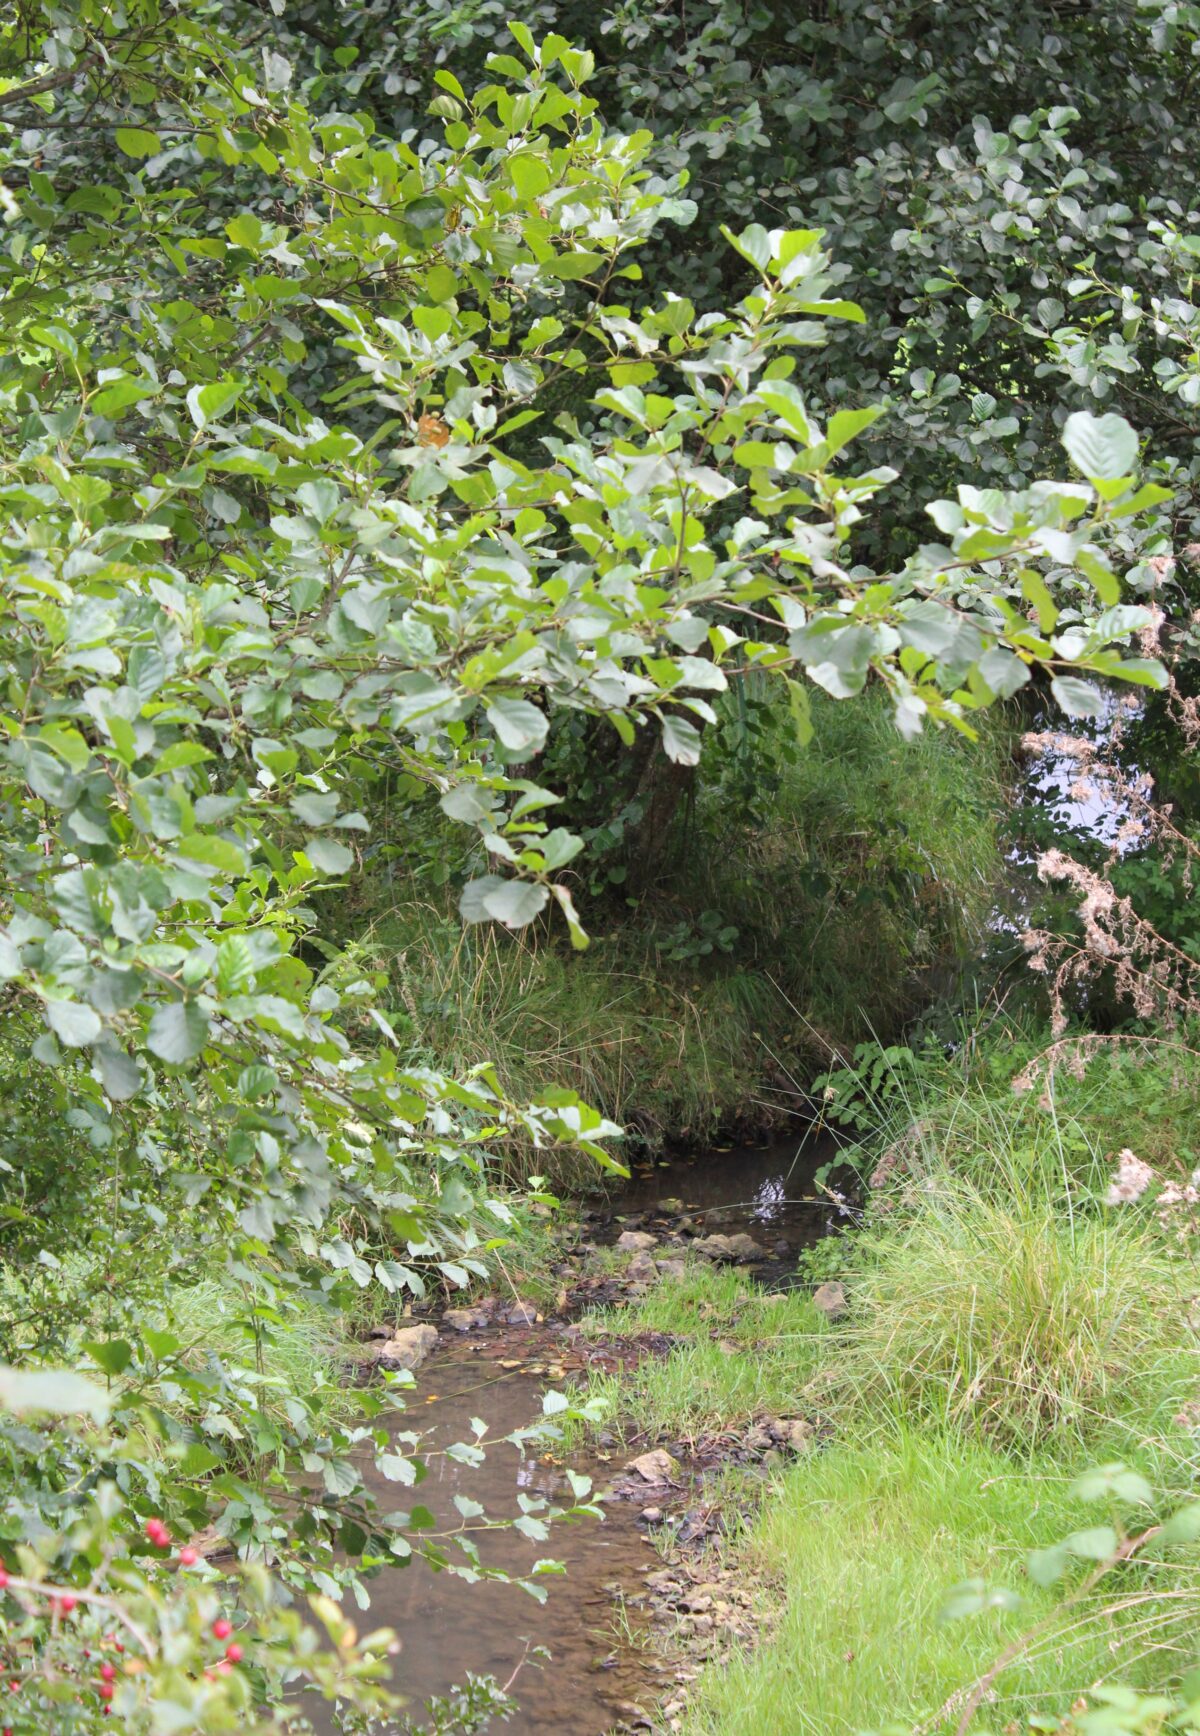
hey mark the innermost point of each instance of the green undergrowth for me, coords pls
(786, 934)
(867, 1542)
(1007, 1330)
(738, 1352)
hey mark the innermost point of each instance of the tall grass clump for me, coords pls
(1009, 1318)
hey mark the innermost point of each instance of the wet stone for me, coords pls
(831, 1300)
(636, 1241)
(656, 1466)
(407, 1348)
(729, 1249)
(467, 1319)
(673, 1269)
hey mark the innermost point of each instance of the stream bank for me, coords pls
(647, 1598)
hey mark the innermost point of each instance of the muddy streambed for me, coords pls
(604, 1669)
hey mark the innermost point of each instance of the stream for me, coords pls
(602, 1668)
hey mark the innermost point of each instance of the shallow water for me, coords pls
(769, 1192)
(596, 1673)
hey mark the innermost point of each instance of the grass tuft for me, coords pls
(1011, 1320)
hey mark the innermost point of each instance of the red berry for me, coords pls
(234, 1653)
(158, 1534)
(3, 1579)
(222, 1629)
(106, 1690)
(66, 1601)
(107, 1672)
(14, 1687)
(223, 1666)
(188, 1557)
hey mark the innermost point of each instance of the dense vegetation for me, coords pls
(527, 546)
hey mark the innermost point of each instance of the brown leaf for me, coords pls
(432, 431)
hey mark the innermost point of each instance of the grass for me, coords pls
(739, 1353)
(1007, 1331)
(866, 1541)
(843, 902)
(1011, 1320)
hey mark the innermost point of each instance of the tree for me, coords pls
(289, 493)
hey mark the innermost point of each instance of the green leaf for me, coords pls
(209, 851)
(113, 1355)
(197, 1460)
(846, 425)
(137, 141)
(73, 1023)
(235, 965)
(327, 855)
(1106, 1482)
(1077, 698)
(1096, 1543)
(1047, 1565)
(119, 1072)
(319, 499)
(512, 902)
(209, 403)
(1102, 447)
(519, 725)
(51, 1392)
(681, 739)
(1183, 1526)
(178, 1032)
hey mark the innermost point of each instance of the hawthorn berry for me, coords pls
(106, 1690)
(108, 1672)
(222, 1628)
(188, 1557)
(66, 1601)
(158, 1534)
(3, 1579)
(234, 1653)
